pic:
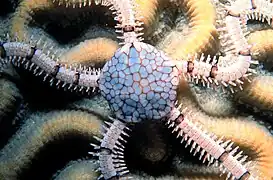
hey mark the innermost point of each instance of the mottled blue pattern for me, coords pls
(139, 82)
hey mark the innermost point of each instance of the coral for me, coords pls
(215, 104)
(27, 9)
(203, 36)
(78, 170)
(90, 53)
(11, 108)
(190, 171)
(258, 93)
(148, 11)
(10, 98)
(140, 83)
(23, 16)
(262, 46)
(40, 130)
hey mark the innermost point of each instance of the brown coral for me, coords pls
(203, 36)
(90, 53)
(258, 93)
(262, 46)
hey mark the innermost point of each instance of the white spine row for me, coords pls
(208, 71)
(77, 79)
(110, 151)
(260, 10)
(77, 3)
(213, 150)
(235, 30)
(129, 25)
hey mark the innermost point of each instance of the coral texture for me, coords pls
(94, 97)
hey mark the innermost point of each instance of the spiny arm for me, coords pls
(84, 80)
(211, 148)
(128, 24)
(237, 59)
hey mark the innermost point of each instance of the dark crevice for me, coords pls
(149, 148)
(67, 24)
(55, 155)
(7, 6)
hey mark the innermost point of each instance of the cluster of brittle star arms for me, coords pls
(142, 83)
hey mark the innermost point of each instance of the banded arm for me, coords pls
(129, 25)
(110, 151)
(213, 150)
(236, 62)
(80, 79)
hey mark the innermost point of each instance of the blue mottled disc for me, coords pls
(139, 82)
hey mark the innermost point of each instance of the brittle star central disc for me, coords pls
(139, 82)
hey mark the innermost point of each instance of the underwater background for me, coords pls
(45, 131)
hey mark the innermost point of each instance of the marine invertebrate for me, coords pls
(258, 93)
(260, 41)
(43, 65)
(78, 170)
(27, 10)
(215, 104)
(80, 79)
(121, 62)
(134, 83)
(110, 151)
(258, 10)
(31, 13)
(134, 48)
(23, 16)
(10, 107)
(40, 130)
(262, 46)
(252, 138)
(10, 98)
(203, 36)
(147, 11)
(90, 53)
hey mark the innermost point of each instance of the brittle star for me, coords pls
(140, 83)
